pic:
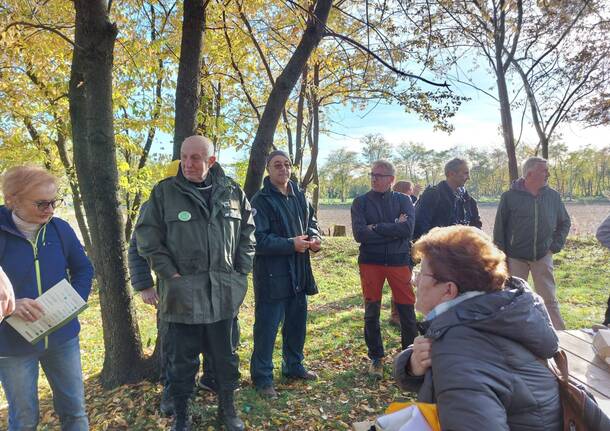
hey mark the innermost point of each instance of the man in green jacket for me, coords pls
(197, 233)
(531, 225)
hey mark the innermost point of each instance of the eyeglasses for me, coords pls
(43, 205)
(375, 176)
(279, 166)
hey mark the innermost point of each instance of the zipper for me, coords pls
(535, 226)
(37, 268)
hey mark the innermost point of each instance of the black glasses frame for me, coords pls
(43, 205)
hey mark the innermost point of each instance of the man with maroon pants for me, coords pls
(382, 222)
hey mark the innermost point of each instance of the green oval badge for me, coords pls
(184, 216)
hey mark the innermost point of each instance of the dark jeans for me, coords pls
(208, 368)
(372, 329)
(183, 345)
(607, 319)
(267, 317)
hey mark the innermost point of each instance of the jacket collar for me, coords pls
(8, 225)
(519, 185)
(373, 194)
(269, 188)
(445, 188)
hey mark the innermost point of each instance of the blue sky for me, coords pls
(477, 123)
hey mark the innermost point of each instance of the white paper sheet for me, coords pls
(61, 303)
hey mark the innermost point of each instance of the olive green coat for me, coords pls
(527, 227)
(211, 247)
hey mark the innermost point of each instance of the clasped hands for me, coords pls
(302, 243)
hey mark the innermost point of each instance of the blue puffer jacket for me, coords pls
(17, 260)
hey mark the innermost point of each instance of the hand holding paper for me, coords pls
(37, 318)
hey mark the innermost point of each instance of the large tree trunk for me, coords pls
(91, 113)
(189, 72)
(263, 141)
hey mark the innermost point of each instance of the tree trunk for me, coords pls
(316, 191)
(91, 113)
(60, 143)
(189, 72)
(315, 139)
(263, 141)
(297, 156)
(507, 122)
(536, 120)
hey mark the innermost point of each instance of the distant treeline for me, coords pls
(576, 174)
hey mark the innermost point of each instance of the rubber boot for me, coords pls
(182, 421)
(408, 324)
(226, 411)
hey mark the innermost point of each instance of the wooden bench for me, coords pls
(585, 366)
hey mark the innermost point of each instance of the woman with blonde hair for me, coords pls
(485, 336)
(37, 251)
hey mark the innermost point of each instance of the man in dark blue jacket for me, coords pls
(382, 222)
(447, 203)
(286, 230)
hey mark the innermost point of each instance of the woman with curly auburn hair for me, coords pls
(484, 335)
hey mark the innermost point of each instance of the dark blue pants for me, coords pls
(208, 368)
(267, 317)
(184, 343)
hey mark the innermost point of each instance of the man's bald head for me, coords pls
(198, 143)
(196, 157)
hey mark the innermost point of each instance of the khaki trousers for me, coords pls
(544, 283)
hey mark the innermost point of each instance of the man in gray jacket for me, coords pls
(531, 225)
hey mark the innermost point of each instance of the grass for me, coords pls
(334, 348)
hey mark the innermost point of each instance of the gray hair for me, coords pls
(385, 164)
(530, 163)
(206, 144)
(454, 165)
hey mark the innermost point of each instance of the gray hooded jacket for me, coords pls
(486, 373)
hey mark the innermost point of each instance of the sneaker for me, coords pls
(268, 392)
(376, 369)
(207, 384)
(305, 375)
